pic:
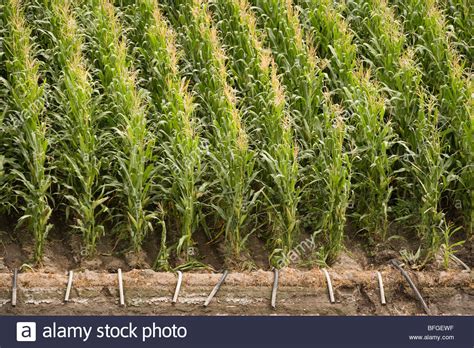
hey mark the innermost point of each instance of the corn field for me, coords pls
(232, 122)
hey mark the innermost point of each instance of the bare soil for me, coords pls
(302, 290)
(299, 293)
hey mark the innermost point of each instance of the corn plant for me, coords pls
(449, 247)
(4, 184)
(422, 166)
(429, 167)
(262, 102)
(78, 164)
(131, 167)
(334, 171)
(443, 75)
(181, 168)
(297, 64)
(372, 134)
(378, 36)
(460, 15)
(372, 161)
(232, 197)
(318, 138)
(28, 125)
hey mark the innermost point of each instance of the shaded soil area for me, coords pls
(299, 293)
(64, 251)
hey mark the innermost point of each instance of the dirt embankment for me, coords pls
(299, 293)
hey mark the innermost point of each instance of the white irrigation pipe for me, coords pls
(275, 288)
(178, 287)
(382, 291)
(69, 286)
(329, 284)
(14, 286)
(460, 262)
(216, 288)
(120, 281)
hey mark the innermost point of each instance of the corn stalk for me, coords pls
(76, 135)
(460, 17)
(443, 76)
(262, 102)
(314, 124)
(180, 150)
(131, 164)
(232, 197)
(28, 126)
(371, 134)
(5, 185)
(422, 174)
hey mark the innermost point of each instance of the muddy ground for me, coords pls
(302, 289)
(299, 293)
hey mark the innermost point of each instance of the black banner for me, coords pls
(399, 332)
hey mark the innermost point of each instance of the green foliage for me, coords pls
(229, 117)
(76, 138)
(448, 246)
(232, 163)
(371, 134)
(28, 127)
(130, 154)
(5, 204)
(444, 76)
(180, 151)
(319, 130)
(422, 173)
(262, 103)
(460, 17)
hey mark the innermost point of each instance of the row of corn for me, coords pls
(277, 120)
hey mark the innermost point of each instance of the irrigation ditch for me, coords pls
(299, 293)
(349, 287)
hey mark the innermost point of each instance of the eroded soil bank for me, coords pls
(299, 293)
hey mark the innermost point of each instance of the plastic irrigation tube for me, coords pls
(14, 282)
(178, 287)
(397, 265)
(275, 288)
(457, 260)
(329, 283)
(460, 262)
(216, 288)
(69, 285)
(120, 281)
(382, 291)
